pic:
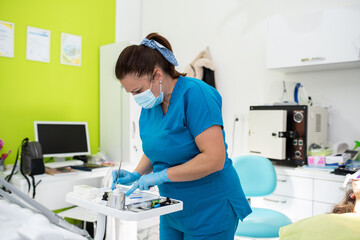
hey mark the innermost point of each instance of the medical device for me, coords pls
(283, 133)
(27, 202)
(62, 139)
(350, 177)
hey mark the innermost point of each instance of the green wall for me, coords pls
(36, 91)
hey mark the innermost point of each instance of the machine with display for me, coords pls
(283, 133)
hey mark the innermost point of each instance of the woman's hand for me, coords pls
(149, 180)
(125, 177)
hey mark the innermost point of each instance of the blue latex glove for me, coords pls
(149, 180)
(125, 177)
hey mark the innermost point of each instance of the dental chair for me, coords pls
(258, 179)
(30, 220)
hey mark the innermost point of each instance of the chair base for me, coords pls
(262, 223)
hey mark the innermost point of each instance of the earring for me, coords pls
(352, 196)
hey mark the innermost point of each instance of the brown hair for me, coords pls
(347, 205)
(142, 60)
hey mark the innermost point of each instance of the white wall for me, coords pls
(128, 25)
(235, 31)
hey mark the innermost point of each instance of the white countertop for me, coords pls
(309, 173)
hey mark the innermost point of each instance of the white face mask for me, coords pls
(147, 99)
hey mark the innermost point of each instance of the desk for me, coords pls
(51, 190)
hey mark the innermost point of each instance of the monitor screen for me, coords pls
(62, 139)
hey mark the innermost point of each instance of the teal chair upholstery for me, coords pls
(258, 178)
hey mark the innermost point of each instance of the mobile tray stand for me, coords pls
(123, 214)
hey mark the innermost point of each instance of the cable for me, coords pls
(296, 94)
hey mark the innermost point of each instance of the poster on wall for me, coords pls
(7, 39)
(70, 50)
(37, 44)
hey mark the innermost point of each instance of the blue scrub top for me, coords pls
(169, 140)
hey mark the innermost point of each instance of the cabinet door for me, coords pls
(322, 38)
(342, 34)
(322, 208)
(135, 141)
(264, 128)
(328, 191)
(296, 187)
(111, 116)
(294, 39)
(295, 209)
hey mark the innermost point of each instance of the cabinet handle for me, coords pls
(282, 180)
(313, 59)
(134, 130)
(274, 200)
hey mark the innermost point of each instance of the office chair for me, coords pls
(258, 178)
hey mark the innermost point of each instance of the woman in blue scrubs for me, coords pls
(183, 140)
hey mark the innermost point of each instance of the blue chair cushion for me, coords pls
(262, 223)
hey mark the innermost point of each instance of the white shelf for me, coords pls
(123, 214)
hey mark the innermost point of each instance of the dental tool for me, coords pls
(118, 173)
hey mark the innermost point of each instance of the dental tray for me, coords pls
(124, 214)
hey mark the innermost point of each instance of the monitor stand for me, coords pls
(59, 159)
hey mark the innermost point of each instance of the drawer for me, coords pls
(322, 208)
(328, 191)
(297, 187)
(295, 209)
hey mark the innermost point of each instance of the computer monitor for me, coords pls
(62, 139)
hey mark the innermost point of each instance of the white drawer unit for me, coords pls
(322, 208)
(302, 193)
(328, 191)
(294, 208)
(297, 187)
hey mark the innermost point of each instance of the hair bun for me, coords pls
(160, 39)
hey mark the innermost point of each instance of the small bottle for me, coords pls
(104, 199)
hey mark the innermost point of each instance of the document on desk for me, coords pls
(64, 164)
(61, 171)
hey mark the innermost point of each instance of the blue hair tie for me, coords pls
(166, 53)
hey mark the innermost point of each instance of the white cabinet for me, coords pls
(119, 114)
(327, 39)
(119, 133)
(303, 193)
(292, 186)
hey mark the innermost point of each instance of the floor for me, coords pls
(247, 238)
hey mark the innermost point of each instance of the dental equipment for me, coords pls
(53, 217)
(118, 173)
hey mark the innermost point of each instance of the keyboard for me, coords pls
(64, 164)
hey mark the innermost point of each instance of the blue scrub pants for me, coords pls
(169, 233)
